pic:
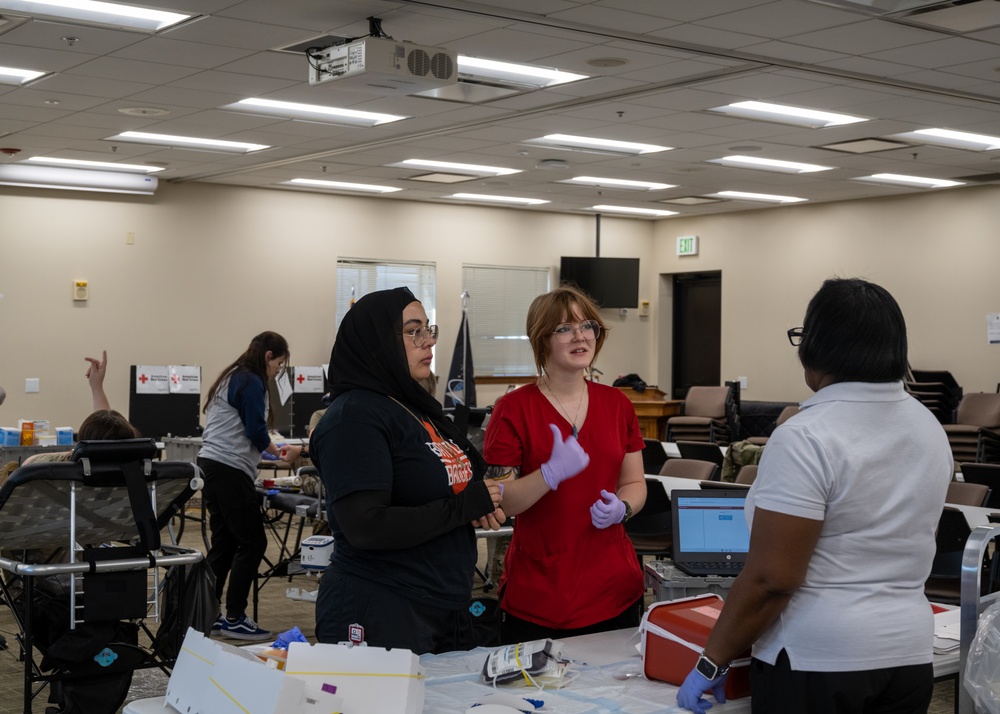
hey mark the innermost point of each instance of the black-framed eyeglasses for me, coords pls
(421, 334)
(795, 336)
(590, 329)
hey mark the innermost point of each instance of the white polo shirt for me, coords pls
(873, 464)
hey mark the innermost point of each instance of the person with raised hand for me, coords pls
(568, 452)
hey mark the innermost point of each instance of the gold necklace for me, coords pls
(578, 406)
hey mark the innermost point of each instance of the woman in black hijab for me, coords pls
(404, 489)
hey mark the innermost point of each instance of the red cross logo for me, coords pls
(300, 379)
(143, 378)
(175, 378)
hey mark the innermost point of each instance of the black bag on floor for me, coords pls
(194, 595)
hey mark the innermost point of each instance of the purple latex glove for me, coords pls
(689, 694)
(607, 510)
(567, 460)
(268, 456)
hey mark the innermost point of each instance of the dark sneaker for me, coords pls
(244, 629)
(217, 626)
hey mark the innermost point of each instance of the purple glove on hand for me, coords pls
(689, 695)
(607, 510)
(567, 460)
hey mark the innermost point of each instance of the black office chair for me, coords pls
(653, 456)
(651, 529)
(987, 475)
(700, 450)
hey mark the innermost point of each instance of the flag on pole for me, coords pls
(461, 387)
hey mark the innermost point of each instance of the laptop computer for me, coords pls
(710, 534)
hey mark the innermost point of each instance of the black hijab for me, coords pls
(369, 354)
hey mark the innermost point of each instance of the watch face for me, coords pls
(706, 668)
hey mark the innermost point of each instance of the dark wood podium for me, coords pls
(653, 409)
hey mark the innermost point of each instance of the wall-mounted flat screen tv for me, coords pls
(612, 282)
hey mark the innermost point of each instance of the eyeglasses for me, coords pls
(590, 329)
(420, 335)
(795, 336)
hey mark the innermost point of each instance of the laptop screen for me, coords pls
(710, 522)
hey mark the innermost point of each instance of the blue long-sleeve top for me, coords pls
(236, 422)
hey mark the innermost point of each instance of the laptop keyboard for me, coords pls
(712, 566)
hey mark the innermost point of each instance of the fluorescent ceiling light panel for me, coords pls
(757, 162)
(28, 176)
(636, 211)
(342, 185)
(618, 183)
(910, 180)
(954, 139)
(786, 114)
(99, 13)
(99, 165)
(515, 73)
(590, 143)
(188, 142)
(313, 112)
(767, 197)
(13, 75)
(497, 199)
(475, 169)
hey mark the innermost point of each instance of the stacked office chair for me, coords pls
(708, 413)
(975, 435)
(691, 468)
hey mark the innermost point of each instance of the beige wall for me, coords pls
(213, 265)
(938, 253)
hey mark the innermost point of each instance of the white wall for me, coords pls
(213, 265)
(937, 252)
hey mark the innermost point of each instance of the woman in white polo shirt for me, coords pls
(842, 517)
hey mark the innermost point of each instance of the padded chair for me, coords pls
(651, 529)
(690, 468)
(104, 508)
(653, 456)
(976, 427)
(747, 474)
(967, 494)
(704, 416)
(987, 475)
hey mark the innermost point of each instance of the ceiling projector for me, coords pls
(378, 65)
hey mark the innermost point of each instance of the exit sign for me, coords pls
(687, 245)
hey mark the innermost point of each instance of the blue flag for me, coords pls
(461, 387)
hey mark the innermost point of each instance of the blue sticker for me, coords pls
(105, 657)
(477, 608)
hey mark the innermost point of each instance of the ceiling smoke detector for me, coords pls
(144, 111)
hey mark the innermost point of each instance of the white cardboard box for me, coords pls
(369, 680)
(212, 677)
